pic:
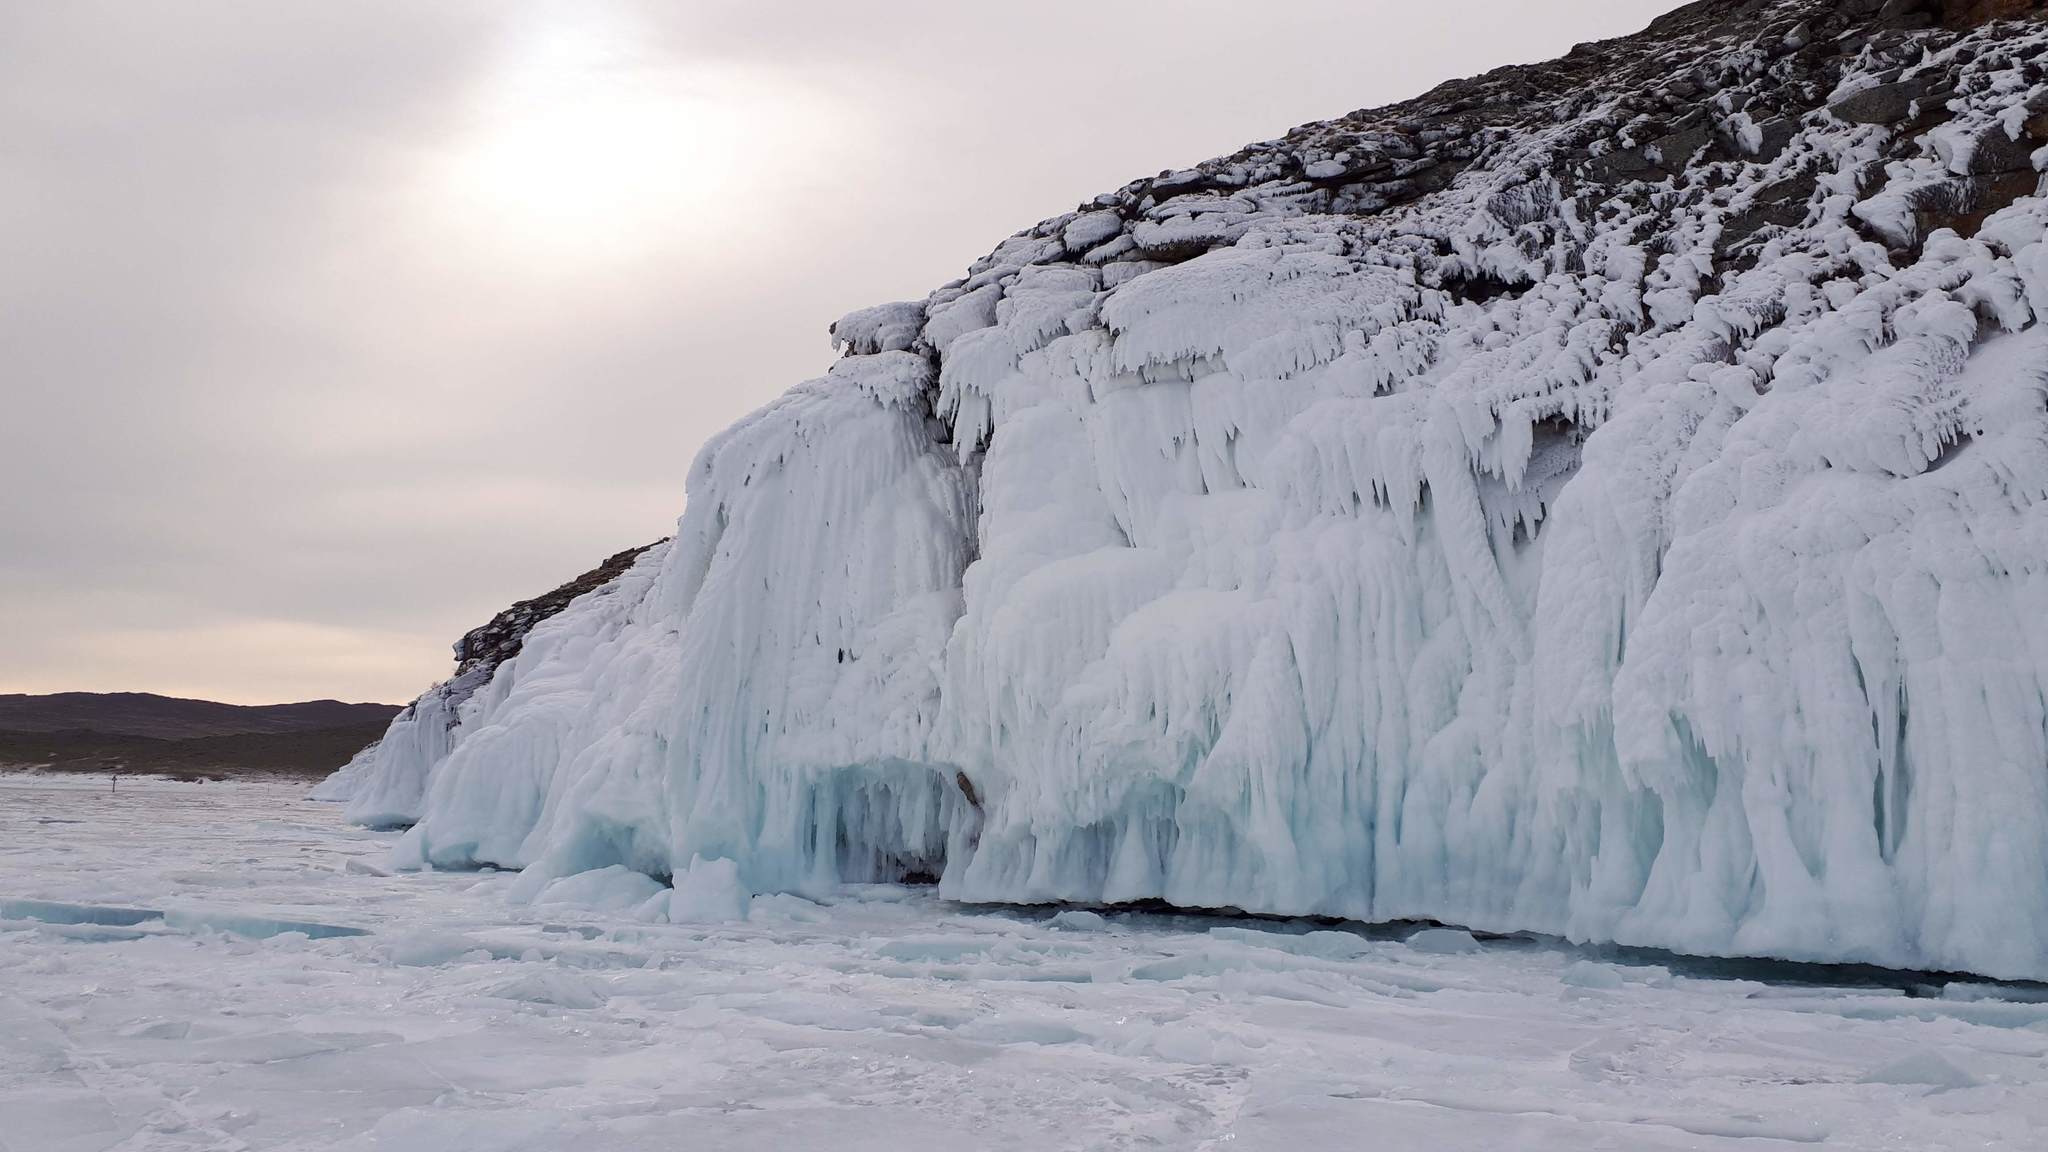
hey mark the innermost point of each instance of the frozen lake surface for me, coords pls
(225, 966)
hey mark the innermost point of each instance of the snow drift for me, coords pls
(1606, 498)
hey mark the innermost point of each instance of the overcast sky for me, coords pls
(327, 329)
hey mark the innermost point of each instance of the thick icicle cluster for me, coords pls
(1606, 498)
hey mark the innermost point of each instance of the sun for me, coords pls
(581, 147)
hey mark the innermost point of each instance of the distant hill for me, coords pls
(171, 718)
(141, 732)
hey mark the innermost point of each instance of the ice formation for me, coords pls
(1605, 498)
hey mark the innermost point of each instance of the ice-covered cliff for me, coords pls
(1607, 498)
(384, 785)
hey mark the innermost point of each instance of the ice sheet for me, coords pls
(887, 1018)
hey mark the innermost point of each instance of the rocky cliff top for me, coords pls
(1694, 112)
(482, 649)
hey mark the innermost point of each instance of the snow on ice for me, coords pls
(460, 1018)
(1622, 514)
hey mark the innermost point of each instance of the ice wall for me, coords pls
(385, 784)
(1607, 499)
(763, 690)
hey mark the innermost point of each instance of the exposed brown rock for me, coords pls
(485, 648)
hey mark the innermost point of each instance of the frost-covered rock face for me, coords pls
(384, 785)
(1606, 498)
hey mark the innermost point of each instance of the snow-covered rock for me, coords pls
(384, 785)
(1606, 498)
(1924, 1067)
(1444, 941)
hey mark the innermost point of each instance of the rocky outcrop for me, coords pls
(1641, 110)
(481, 650)
(385, 783)
(1606, 497)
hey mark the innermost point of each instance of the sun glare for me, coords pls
(582, 147)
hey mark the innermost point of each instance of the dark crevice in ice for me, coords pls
(1160, 916)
